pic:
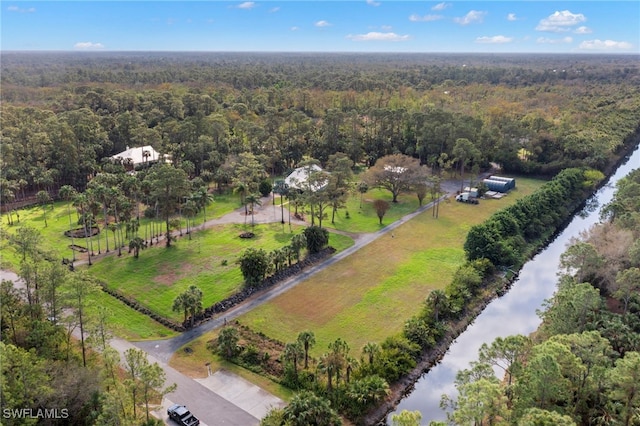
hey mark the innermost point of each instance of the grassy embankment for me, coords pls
(368, 296)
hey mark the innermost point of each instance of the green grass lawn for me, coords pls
(208, 261)
(159, 274)
(386, 279)
(359, 216)
(369, 295)
(58, 214)
(128, 323)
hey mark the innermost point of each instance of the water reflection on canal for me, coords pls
(514, 313)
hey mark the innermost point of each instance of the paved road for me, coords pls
(164, 349)
(211, 408)
(208, 405)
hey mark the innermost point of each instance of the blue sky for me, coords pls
(323, 26)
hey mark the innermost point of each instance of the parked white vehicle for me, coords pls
(466, 197)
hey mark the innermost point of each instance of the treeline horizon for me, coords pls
(64, 114)
(140, 67)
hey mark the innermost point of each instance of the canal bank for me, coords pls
(491, 317)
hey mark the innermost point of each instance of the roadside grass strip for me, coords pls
(128, 323)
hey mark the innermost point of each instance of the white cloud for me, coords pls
(560, 21)
(605, 45)
(425, 18)
(247, 5)
(441, 6)
(386, 28)
(471, 17)
(274, 9)
(545, 40)
(373, 3)
(322, 24)
(376, 36)
(295, 28)
(21, 10)
(499, 39)
(583, 30)
(512, 17)
(87, 45)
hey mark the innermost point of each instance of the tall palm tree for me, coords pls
(67, 192)
(43, 198)
(254, 200)
(438, 302)
(8, 189)
(205, 198)
(194, 297)
(189, 209)
(327, 365)
(80, 201)
(181, 303)
(136, 244)
(363, 187)
(169, 186)
(293, 352)
(132, 188)
(241, 188)
(307, 339)
(145, 155)
(101, 193)
(340, 351)
(92, 209)
(350, 364)
(371, 349)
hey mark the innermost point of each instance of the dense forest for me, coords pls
(229, 120)
(63, 114)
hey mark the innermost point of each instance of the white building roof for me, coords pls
(299, 177)
(137, 155)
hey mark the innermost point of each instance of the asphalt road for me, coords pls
(164, 349)
(207, 405)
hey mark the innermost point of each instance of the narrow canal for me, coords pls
(513, 313)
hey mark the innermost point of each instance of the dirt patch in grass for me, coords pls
(166, 279)
(168, 276)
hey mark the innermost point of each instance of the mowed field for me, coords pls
(369, 295)
(208, 261)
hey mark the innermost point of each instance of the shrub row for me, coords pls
(225, 304)
(268, 282)
(507, 236)
(142, 309)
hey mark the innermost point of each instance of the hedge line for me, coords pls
(227, 303)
